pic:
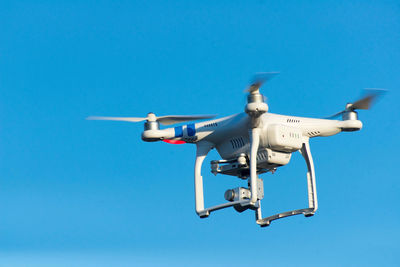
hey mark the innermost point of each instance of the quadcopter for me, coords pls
(251, 143)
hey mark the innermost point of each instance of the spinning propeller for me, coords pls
(370, 96)
(259, 79)
(151, 117)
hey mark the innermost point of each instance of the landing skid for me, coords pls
(202, 151)
(266, 221)
(312, 193)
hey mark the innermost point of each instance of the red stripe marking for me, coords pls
(174, 142)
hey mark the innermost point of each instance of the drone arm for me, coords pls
(350, 125)
(158, 135)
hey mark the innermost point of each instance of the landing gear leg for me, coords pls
(312, 193)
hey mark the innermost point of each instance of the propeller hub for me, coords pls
(151, 117)
(348, 106)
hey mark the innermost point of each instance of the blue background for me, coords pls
(88, 193)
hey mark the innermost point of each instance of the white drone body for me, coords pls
(251, 143)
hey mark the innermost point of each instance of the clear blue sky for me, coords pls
(88, 193)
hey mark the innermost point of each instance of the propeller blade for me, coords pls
(172, 119)
(130, 119)
(370, 96)
(334, 115)
(259, 79)
(166, 120)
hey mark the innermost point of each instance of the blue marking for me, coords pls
(178, 131)
(191, 129)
